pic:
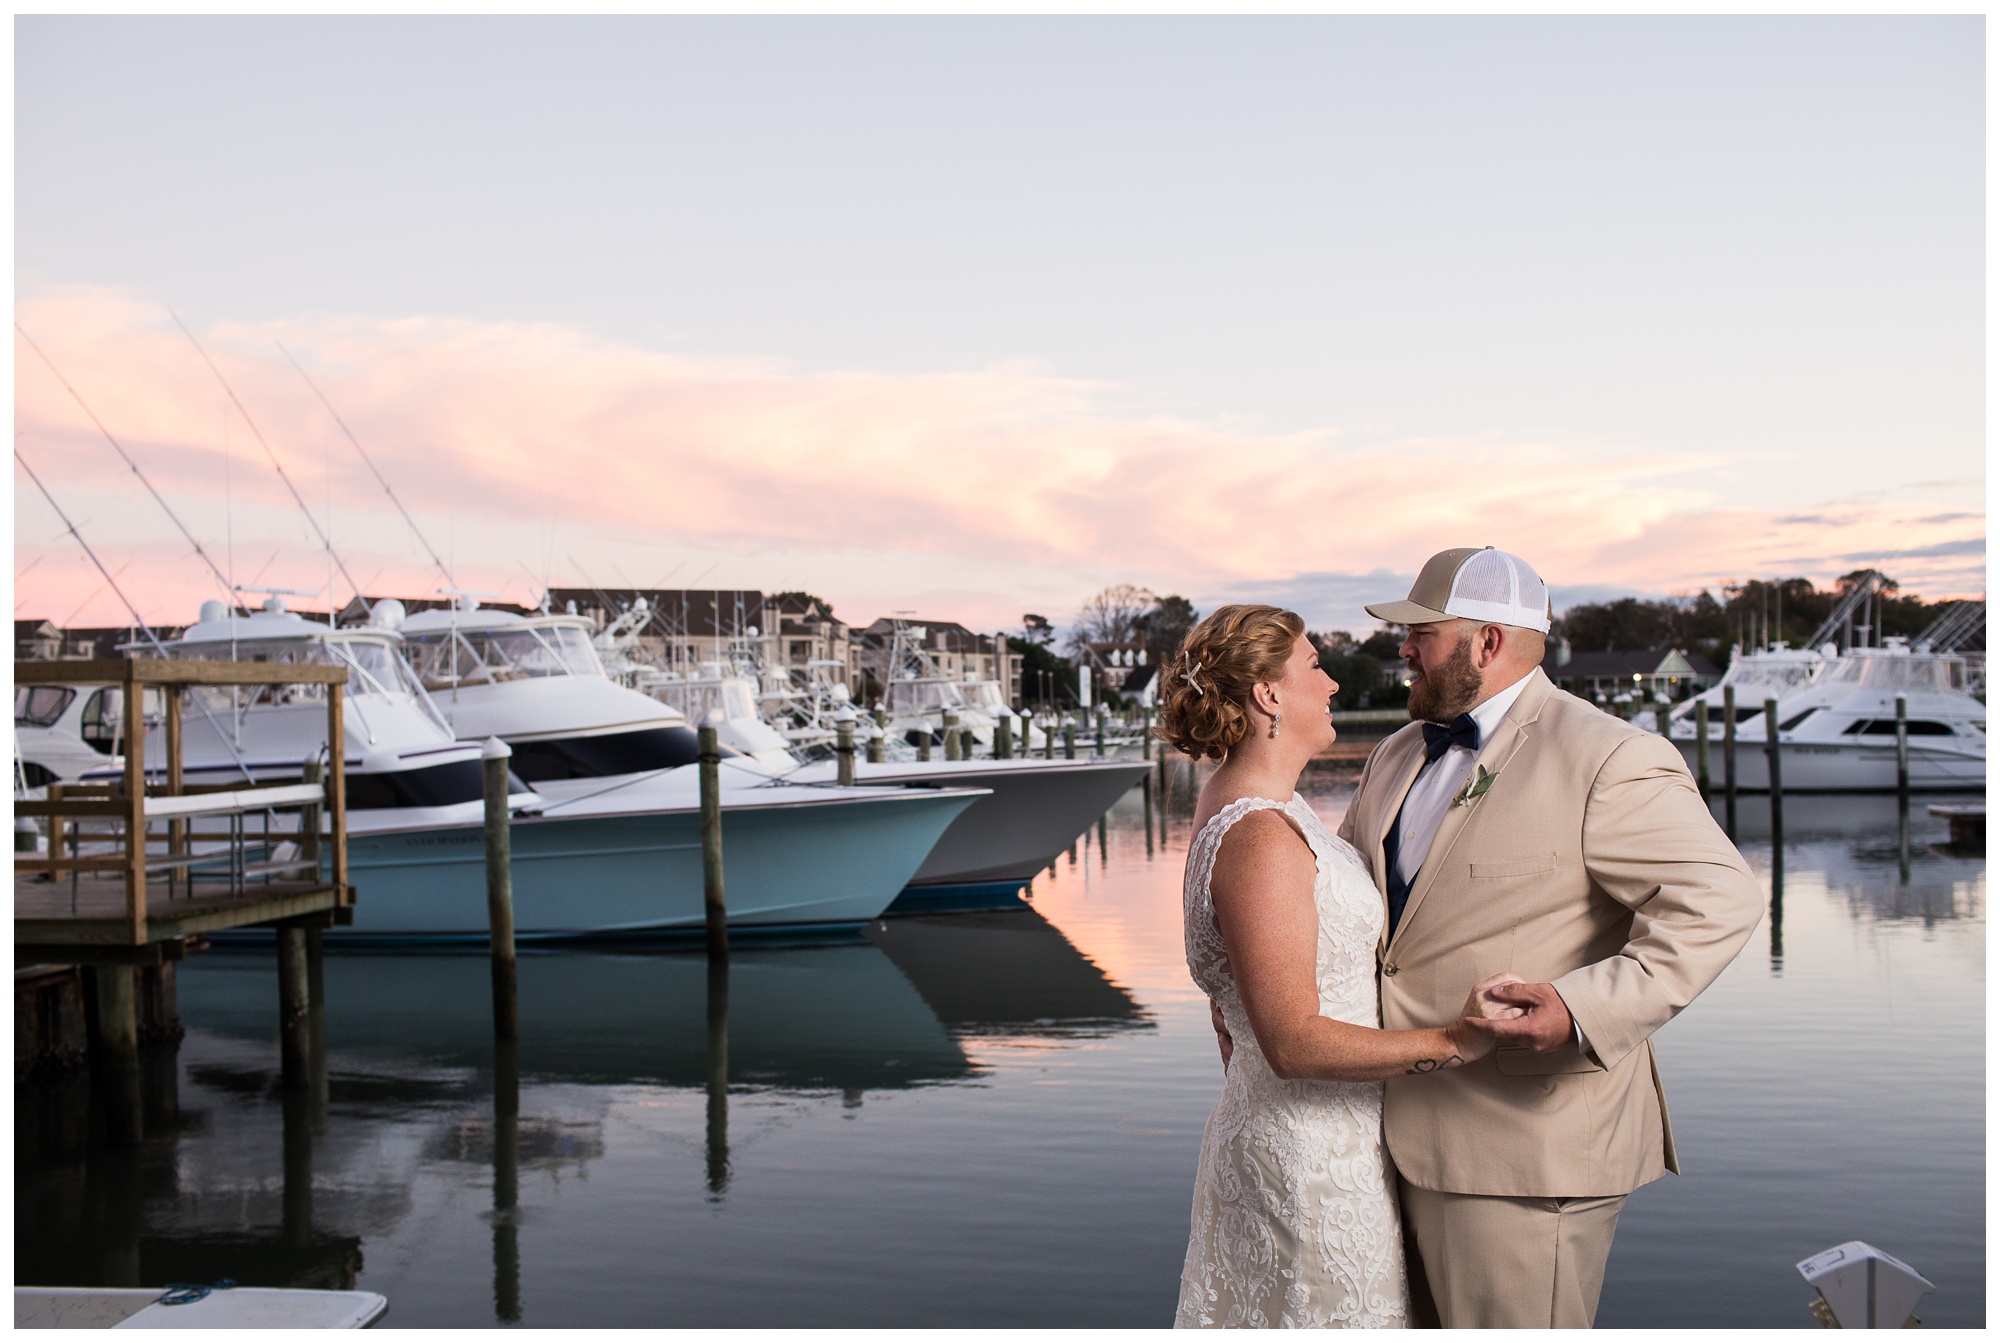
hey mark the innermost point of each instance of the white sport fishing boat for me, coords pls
(604, 859)
(1028, 811)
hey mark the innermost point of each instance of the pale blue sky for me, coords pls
(1760, 239)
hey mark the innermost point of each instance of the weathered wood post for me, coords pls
(951, 751)
(495, 755)
(1146, 731)
(135, 806)
(177, 830)
(1729, 758)
(843, 746)
(313, 771)
(116, 1051)
(1903, 752)
(1701, 747)
(1049, 738)
(1660, 715)
(1069, 738)
(1903, 786)
(715, 903)
(506, 1180)
(924, 741)
(1003, 737)
(294, 1009)
(878, 744)
(1777, 779)
(717, 1136)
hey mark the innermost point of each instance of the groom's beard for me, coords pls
(1449, 691)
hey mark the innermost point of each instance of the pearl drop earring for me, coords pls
(1275, 716)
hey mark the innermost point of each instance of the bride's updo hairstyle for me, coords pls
(1205, 690)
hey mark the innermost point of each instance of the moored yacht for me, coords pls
(1837, 729)
(603, 859)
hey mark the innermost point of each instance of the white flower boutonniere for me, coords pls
(1475, 788)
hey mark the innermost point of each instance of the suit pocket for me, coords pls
(1527, 1063)
(1514, 867)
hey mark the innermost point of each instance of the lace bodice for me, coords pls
(1293, 1221)
(1350, 917)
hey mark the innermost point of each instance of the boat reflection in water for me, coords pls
(240, 1179)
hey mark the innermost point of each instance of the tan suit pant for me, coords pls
(1512, 1263)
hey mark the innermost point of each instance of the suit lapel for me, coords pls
(1507, 739)
(1405, 776)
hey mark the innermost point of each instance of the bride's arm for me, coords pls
(1262, 889)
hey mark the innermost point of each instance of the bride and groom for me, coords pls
(1436, 1024)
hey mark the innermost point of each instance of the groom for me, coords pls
(1515, 828)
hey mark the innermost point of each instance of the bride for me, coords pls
(1294, 1219)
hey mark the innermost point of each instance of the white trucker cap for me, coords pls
(1486, 585)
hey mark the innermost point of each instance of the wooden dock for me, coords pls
(127, 882)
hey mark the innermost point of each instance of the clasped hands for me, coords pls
(1507, 1010)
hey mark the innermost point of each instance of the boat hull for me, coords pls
(1843, 767)
(813, 868)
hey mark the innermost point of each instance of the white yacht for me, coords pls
(1837, 728)
(610, 858)
(1767, 673)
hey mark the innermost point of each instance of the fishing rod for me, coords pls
(228, 588)
(137, 619)
(450, 581)
(277, 466)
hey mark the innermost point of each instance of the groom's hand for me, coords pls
(1222, 1037)
(1544, 1023)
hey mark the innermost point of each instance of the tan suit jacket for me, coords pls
(1590, 864)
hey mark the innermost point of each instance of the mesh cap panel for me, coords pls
(1487, 577)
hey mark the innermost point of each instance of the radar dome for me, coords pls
(212, 610)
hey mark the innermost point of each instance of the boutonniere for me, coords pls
(1475, 788)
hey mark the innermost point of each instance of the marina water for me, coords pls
(988, 1119)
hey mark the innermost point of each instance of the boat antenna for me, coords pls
(276, 465)
(137, 619)
(450, 580)
(119, 448)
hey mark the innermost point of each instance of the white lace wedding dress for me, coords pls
(1294, 1222)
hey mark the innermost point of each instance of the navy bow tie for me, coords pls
(1462, 732)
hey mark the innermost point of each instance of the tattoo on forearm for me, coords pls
(1432, 1065)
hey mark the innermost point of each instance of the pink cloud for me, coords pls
(1011, 481)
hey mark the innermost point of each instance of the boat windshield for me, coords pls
(924, 697)
(985, 696)
(736, 697)
(1756, 671)
(373, 667)
(40, 705)
(1887, 671)
(450, 658)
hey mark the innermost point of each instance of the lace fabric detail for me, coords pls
(1294, 1221)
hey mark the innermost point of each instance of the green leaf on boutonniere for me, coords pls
(1475, 789)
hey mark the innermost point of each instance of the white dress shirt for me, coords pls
(1429, 798)
(1438, 783)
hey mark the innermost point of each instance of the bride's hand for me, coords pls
(1471, 1042)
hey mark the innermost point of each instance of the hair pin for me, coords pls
(1188, 676)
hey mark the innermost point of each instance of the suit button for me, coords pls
(1389, 969)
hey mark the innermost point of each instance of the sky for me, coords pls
(974, 317)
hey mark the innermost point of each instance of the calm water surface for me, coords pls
(988, 1119)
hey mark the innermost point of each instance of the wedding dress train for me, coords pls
(1294, 1221)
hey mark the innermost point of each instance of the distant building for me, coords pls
(959, 654)
(1652, 672)
(689, 626)
(43, 641)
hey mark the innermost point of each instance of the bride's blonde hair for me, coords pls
(1205, 690)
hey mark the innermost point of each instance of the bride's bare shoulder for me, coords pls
(1262, 838)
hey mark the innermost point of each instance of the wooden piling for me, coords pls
(1146, 733)
(1003, 738)
(1903, 751)
(1048, 739)
(1660, 719)
(1773, 765)
(717, 1061)
(1729, 758)
(924, 742)
(1069, 739)
(1701, 747)
(843, 747)
(116, 1051)
(495, 755)
(506, 1181)
(951, 751)
(294, 1009)
(1100, 731)
(715, 903)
